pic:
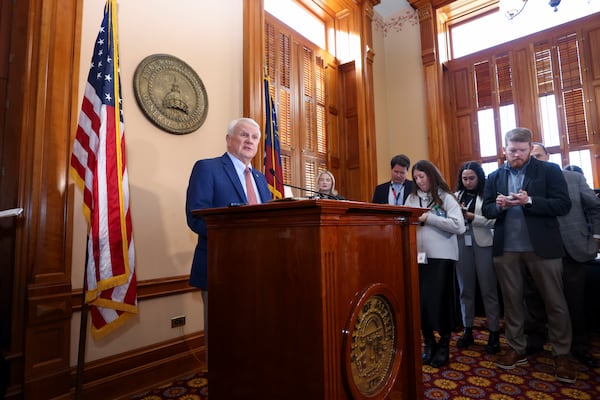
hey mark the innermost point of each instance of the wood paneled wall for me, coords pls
(43, 54)
(41, 40)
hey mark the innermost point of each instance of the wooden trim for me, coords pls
(253, 62)
(126, 374)
(148, 289)
(43, 51)
(368, 167)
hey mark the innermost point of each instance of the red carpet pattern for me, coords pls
(471, 374)
(191, 387)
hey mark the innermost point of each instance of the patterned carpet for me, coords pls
(191, 387)
(470, 374)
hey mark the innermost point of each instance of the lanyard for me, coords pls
(428, 205)
(397, 195)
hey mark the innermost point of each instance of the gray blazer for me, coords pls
(583, 221)
(481, 226)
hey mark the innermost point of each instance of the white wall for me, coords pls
(400, 116)
(207, 35)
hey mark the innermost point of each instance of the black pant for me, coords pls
(574, 286)
(436, 284)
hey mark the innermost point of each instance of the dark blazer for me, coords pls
(382, 192)
(583, 221)
(214, 183)
(545, 184)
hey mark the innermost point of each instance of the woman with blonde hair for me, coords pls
(326, 186)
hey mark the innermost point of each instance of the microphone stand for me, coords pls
(321, 195)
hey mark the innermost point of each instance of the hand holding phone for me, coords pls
(509, 197)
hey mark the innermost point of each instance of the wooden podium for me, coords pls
(313, 299)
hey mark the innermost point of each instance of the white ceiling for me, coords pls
(390, 7)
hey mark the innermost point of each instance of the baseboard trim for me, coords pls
(126, 374)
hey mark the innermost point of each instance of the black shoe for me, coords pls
(493, 344)
(466, 339)
(586, 359)
(429, 351)
(442, 355)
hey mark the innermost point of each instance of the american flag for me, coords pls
(272, 148)
(99, 167)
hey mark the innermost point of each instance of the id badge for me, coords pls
(421, 257)
(468, 240)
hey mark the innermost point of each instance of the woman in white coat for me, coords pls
(437, 253)
(475, 262)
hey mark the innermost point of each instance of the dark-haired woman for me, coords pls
(438, 251)
(475, 262)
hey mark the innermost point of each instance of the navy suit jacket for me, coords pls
(214, 183)
(545, 184)
(382, 192)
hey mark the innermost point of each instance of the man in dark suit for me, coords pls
(396, 191)
(221, 182)
(525, 196)
(579, 229)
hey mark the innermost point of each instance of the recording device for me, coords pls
(321, 195)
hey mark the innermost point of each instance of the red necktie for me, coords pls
(249, 188)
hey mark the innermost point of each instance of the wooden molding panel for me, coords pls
(126, 374)
(148, 289)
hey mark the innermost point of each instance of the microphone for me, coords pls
(321, 195)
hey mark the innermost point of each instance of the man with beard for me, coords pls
(525, 196)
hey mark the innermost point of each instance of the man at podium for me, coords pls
(228, 180)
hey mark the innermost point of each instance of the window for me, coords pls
(561, 98)
(494, 102)
(466, 32)
(547, 82)
(305, 23)
(296, 69)
(343, 122)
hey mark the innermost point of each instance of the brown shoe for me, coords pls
(564, 371)
(510, 359)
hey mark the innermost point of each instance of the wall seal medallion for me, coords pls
(170, 94)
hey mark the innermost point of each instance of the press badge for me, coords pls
(468, 240)
(421, 257)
